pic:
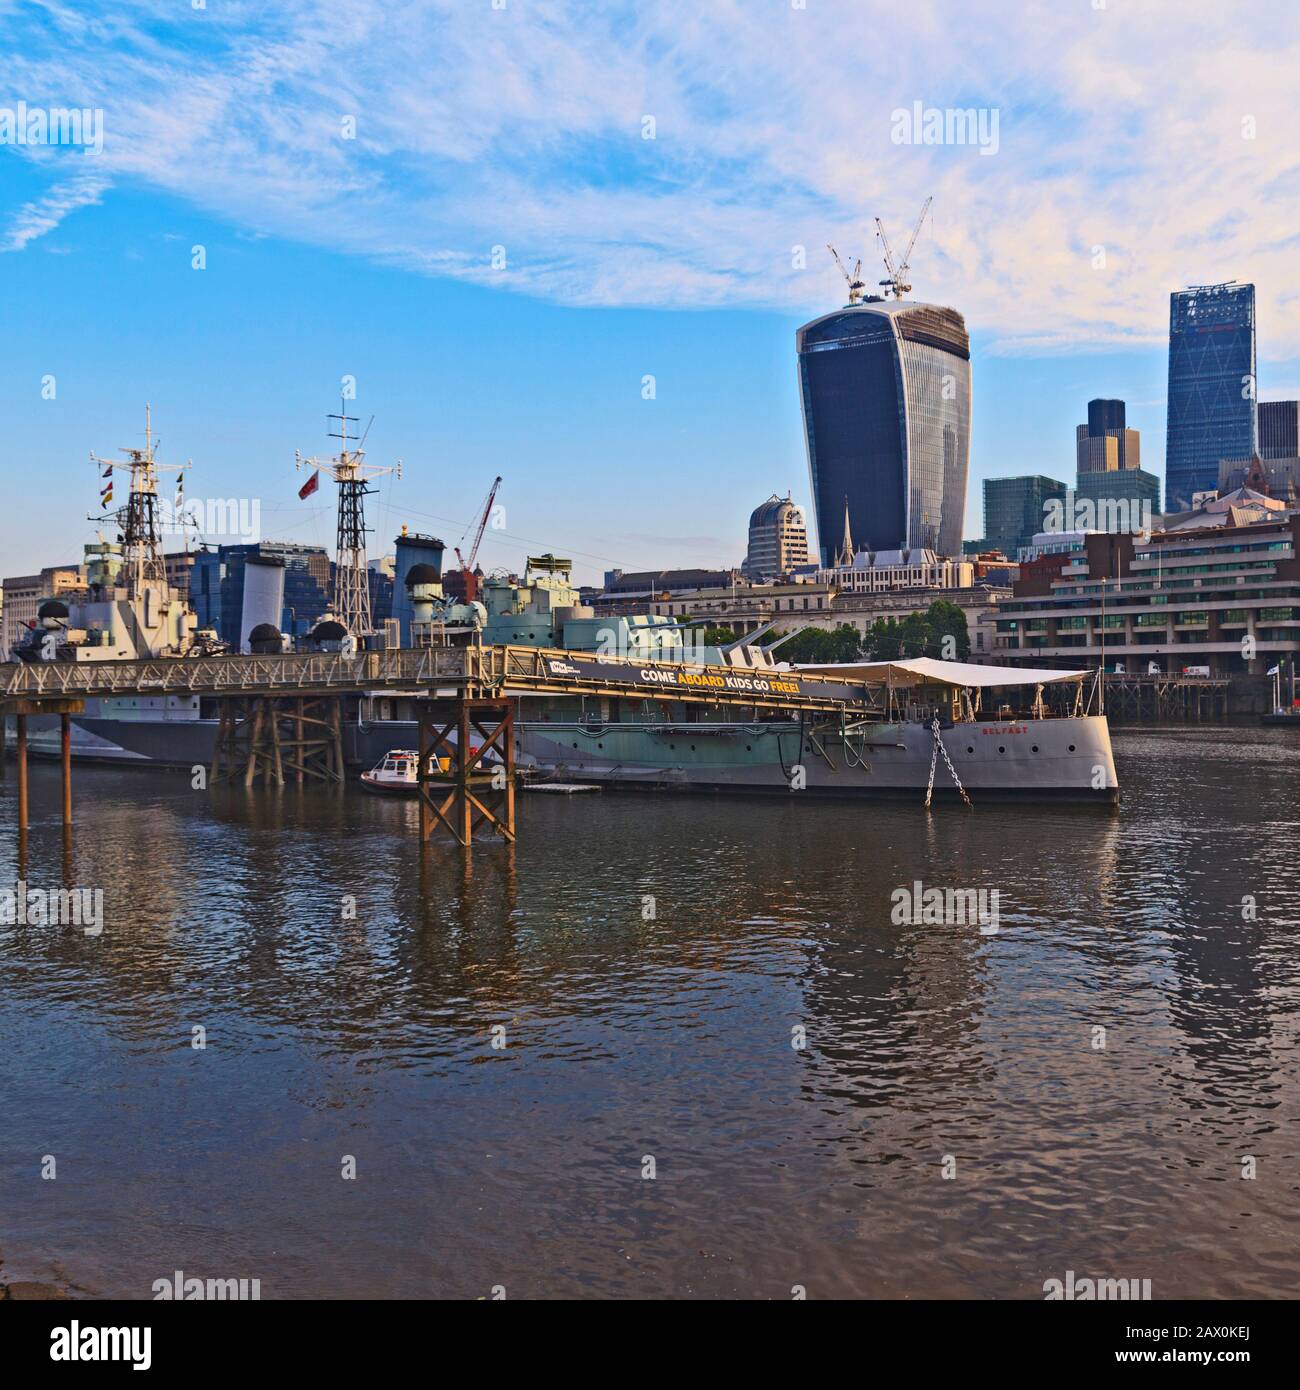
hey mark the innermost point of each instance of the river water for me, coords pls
(709, 990)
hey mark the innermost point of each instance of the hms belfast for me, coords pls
(608, 710)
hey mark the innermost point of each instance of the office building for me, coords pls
(886, 393)
(1105, 444)
(778, 539)
(1137, 489)
(1015, 508)
(217, 586)
(1279, 429)
(1211, 406)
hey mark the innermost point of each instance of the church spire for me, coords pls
(845, 557)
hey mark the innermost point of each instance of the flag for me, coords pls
(310, 485)
(106, 496)
(108, 472)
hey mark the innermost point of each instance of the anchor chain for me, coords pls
(952, 771)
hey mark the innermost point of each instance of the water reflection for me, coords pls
(649, 959)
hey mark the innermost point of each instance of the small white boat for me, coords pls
(395, 774)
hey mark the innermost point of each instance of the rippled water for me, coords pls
(671, 1037)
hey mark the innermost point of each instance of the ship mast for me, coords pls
(352, 474)
(137, 519)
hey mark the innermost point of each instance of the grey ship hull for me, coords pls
(1029, 760)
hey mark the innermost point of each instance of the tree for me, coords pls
(819, 646)
(921, 634)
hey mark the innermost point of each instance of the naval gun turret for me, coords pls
(437, 619)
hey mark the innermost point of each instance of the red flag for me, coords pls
(310, 485)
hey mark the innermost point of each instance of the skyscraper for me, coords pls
(1105, 444)
(1211, 407)
(1279, 429)
(886, 393)
(1015, 509)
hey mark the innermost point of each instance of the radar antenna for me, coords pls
(352, 473)
(138, 520)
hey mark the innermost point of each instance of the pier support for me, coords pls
(65, 760)
(21, 749)
(21, 710)
(266, 736)
(473, 791)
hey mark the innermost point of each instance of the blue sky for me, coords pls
(348, 169)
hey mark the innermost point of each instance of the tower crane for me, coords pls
(469, 584)
(857, 285)
(898, 281)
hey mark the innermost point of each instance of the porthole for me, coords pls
(1002, 748)
(1072, 748)
(1034, 749)
(969, 749)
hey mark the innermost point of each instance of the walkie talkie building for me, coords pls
(886, 397)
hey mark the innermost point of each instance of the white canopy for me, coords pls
(924, 670)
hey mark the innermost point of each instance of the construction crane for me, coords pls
(898, 281)
(469, 583)
(857, 285)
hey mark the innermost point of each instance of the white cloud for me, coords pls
(34, 219)
(1123, 128)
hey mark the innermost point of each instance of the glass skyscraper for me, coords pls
(1211, 409)
(886, 394)
(1015, 510)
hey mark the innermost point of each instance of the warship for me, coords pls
(909, 727)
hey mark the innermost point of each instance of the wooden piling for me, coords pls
(21, 749)
(65, 752)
